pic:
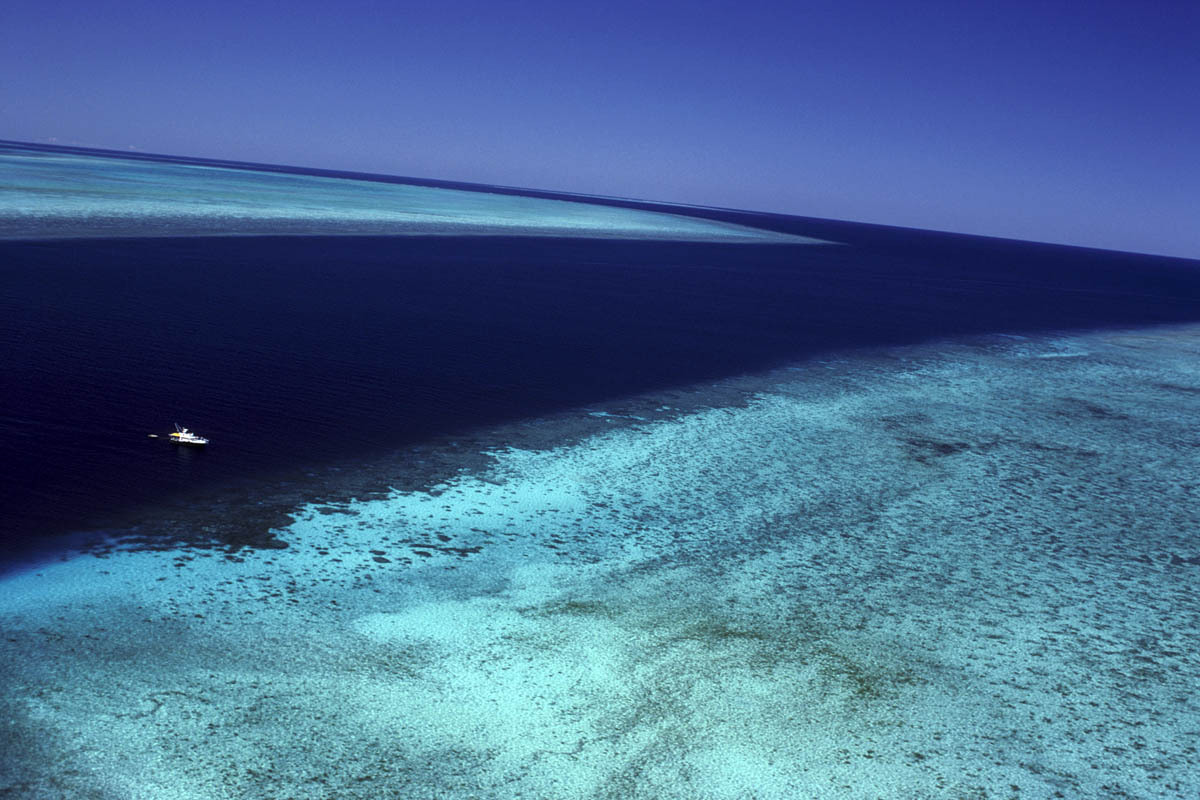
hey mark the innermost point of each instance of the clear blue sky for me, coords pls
(1054, 121)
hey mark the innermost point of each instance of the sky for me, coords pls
(1066, 122)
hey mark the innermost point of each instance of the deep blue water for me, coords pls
(295, 352)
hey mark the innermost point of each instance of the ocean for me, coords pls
(523, 493)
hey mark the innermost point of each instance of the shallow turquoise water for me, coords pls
(965, 569)
(58, 194)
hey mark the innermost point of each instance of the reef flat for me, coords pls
(51, 194)
(961, 569)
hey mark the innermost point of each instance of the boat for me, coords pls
(184, 436)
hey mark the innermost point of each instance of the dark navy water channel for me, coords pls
(295, 352)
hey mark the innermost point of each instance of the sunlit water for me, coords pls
(600, 520)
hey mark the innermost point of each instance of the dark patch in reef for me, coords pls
(1175, 387)
(924, 450)
(1075, 406)
(462, 552)
(229, 530)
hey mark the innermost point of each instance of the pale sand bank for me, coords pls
(947, 571)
